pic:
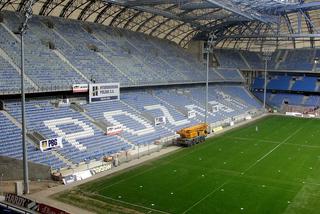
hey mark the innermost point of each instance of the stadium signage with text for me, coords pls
(104, 92)
(49, 144)
(46, 209)
(191, 114)
(217, 129)
(114, 130)
(159, 120)
(80, 88)
(21, 201)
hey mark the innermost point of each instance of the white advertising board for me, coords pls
(80, 88)
(191, 114)
(49, 144)
(159, 120)
(104, 92)
(114, 130)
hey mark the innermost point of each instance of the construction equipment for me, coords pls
(192, 135)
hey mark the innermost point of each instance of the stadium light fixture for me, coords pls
(210, 44)
(27, 12)
(266, 57)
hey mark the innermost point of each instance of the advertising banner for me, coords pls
(80, 88)
(248, 117)
(159, 120)
(191, 114)
(49, 144)
(21, 201)
(46, 209)
(217, 129)
(104, 92)
(114, 130)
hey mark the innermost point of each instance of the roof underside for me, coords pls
(245, 24)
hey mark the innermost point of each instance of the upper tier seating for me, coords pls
(10, 78)
(258, 83)
(230, 59)
(298, 59)
(42, 65)
(276, 100)
(230, 73)
(279, 82)
(305, 84)
(60, 53)
(254, 59)
(290, 82)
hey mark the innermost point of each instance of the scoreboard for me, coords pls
(104, 92)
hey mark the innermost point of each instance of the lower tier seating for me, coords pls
(137, 113)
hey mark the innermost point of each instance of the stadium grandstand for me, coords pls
(116, 89)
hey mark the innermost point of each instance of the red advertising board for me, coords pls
(114, 130)
(46, 209)
(80, 88)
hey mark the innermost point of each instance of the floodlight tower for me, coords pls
(27, 12)
(266, 57)
(209, 49)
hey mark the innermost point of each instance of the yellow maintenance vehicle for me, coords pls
(192, 135)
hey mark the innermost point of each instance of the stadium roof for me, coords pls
(246, 24)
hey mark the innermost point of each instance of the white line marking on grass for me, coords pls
(127, 178)
(154, 167)
(245, 138)
(274, 142)
(315, 184)
(205, 197)
(268, 153)
(131, 204)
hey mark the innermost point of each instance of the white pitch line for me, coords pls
(275, 142)
(127, 178)
(268, 153)
(315, 184)
(154, 167)
(210, 193)
(135, 205)
(245, 138)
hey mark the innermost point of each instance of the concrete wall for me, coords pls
(12, 169)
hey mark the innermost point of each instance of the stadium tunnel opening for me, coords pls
(49, 44)
(93, 48)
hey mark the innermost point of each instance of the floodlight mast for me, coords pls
(210, 44)
(27, 12)
(266, 56)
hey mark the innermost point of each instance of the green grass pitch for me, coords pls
(273, 170)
